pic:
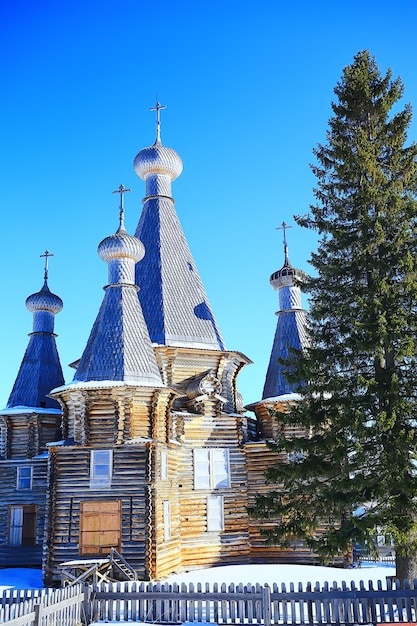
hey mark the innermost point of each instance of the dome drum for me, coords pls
(158, 185)
(121, 272)
(43, 322)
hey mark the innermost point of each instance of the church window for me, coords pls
(167, 520)
(164, 465)
(24, 477)
(101, 469)
(215, 516)
(211, 468)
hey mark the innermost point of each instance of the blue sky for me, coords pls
(248, 88)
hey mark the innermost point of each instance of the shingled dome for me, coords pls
(121, 245)
(157, 159)
(44, 300)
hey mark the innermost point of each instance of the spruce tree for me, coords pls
(353, 469)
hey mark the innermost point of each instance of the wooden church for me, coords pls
(149, 449)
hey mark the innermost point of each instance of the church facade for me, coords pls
(148, 449)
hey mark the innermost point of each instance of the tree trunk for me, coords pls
(406, 565)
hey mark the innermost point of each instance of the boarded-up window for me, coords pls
(167, 521)
(101, 468)
(211, 468)
(24, 477)
(100, 527)
(22, 525)
(215, 516)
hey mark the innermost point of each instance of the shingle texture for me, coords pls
(290, 333)
(39, 372)
(173, 299)
(119, 347)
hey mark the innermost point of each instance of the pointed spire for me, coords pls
(119, 348)
(40, 370)
(291, 325)
(173, 299)
(158, 108)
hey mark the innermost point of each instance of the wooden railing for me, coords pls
(218, 604)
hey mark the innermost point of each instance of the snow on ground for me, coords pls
(264, 574)
(270, 574)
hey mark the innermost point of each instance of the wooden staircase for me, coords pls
(121, 568)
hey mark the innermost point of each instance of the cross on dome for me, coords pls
(46, 256)
(284, 227)
(121, 190)
(158, 108)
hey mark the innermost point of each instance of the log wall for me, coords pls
(22, 555)
(70, 467)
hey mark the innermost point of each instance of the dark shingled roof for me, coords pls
(39, 372)
(119, 348)
(173, 299)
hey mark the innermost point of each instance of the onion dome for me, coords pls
(44, 300)
(121, 251)
(121, 245)
(157, 159)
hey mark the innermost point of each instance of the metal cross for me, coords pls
(122, 190)
(158, 107)
(284, 227)
(46, 256)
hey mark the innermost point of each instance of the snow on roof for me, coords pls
(104, 384)
(285, 397)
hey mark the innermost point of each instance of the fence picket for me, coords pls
(216, 604)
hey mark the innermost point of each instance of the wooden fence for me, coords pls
(255, 604)
(218, 604)
(60, 607)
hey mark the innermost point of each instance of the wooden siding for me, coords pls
(25, 435)
(71, 486)
(10, 495)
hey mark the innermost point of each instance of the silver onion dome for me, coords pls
(44, 300)
(157, 159)
(121, 245)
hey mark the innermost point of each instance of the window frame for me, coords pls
(97, 480)
(206, 460)
(164, 465)
(215, 504)
(20, 479)
(167, 519)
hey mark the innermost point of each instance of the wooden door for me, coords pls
(100, 527)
